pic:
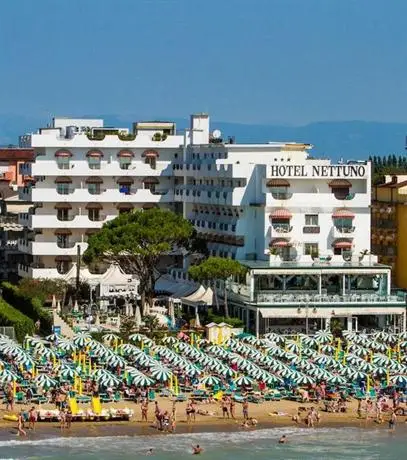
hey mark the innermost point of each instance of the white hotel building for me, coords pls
(301, 225)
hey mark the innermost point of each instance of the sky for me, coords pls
(250, 61)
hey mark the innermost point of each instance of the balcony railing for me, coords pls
(282, 228)
(66, 244)
(98, 218)
(281, 195)
(311, 229)
(304, 300)
(345, 229)
(67, 218)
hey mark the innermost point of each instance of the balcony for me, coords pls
(51, 248)
(38, 271)
(281, 195)
(311, 229)
(281, 230)
(344, 232)
(80, 221)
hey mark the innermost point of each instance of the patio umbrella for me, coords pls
(197, 320)
(109, 338)
(25, 359)
(210, 381)
(170, 340)
(366, 367)
(217, 351)
(76, 307)
(54, 303)
(336, 380)
(292, 346)
(7, 376)
(378, 347)
(46, 353)
(160, 373)
(59, 309)
(275, 337)
(137, 337)
(270, 379)
(308, 340)
(349, 335)
(67, 373)
(327, 348)
(81, 340)
(106, 378)
(115, 360)
(45, 381)
(398, 380)
(137, 317)
(302, 379)
(142, 381)
(67, 346)
(323, 336)
(244, 381)
(130, 349)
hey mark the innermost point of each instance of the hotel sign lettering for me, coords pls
(319, 171)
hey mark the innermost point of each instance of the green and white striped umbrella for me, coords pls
(349, 335)
(67, 346)
(271, 379)
(25, 359)
(359, 351)
(322, 359)
(365, 366)
(192, 371)
(67, 373)
(81, 340)
(396, 366)
(142, 381)
(379, 371)
(275, 337)
(292, 346)
(318, 373)
(292, 358)
(323, 336)
(137, 337)
(308, 341)
(53, 337)
(8, 376)
(109, 338)
(45, 381)
(243, 381)
(217, 351)
(398, 380)
(380, 335)
(115, 360)
(327, 348)
(226, 372)
(336, 380)
(10, 348)
(236, 359)
(210, 381)
(402, 335)
(129, 349)
(105, 378)
(160, 373)
(33, 341)
(170, 340)
(132, 371)
(145, 360)
(302, 379)
(46, 353)
(378, 347)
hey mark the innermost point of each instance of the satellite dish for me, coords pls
(216, 134)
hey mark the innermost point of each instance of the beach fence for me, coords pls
(8, 331)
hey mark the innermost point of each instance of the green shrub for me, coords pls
(29, 306)
(10, 316)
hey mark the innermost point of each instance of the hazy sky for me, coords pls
(254, 61)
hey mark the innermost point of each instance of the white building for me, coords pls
(303, 223)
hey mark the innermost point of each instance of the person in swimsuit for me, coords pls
(32, 418)
(196, 450)
(245, 410)
(20, 426)
(283, 439)
(392, 421)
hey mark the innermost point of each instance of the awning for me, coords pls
(63, 259)
(150, 154)
(343, 213)
(94, 180)
(340, 183)
(125, 180)
(63, 153)
(124, 206)
(91, 231)
(342, 244)
(63, 206)
(281, 214)
(63, 180)
(125, 153)
(151, 180)
(149, 206)
(94, 154)
(63, 231)
(280, 243)
(277, 183)
(93, 206)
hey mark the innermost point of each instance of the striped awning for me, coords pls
(150, 153)
(94, 180)
(340, 183)
(63, 180)
(63, 206)
(342, 244)
(281, 213)
(280, 243)
(277, 183)
(343, 213)
(63, 153)
(125, 153)
(94, 154)
(94, 206)
(63, 231)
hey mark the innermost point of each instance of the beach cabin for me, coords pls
(218, 333)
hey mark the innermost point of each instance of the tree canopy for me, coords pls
(217, 268)
(136, 241)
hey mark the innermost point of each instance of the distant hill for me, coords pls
(347, 139)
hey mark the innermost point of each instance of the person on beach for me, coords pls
(245, 408)
(173, 423)
(144, 410)
(174, 410)
(150, 451)
(68, 418)
(10, 398)
(283, 439)
(32, 418)
(392, 421)
(20, 424)
(196, 450)
(62, 417)
(232, 405)
(224, 406)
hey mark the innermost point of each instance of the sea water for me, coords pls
(303, 444)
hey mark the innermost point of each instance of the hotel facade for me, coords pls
(300, 225)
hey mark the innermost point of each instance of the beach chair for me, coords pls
(20, 398)
(181, 398)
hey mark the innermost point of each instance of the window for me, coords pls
(311, 219)
(63, 162)
(340, 193)
(63, 241)
(63, 188)
(125, 162)
(94, 189)
(311, 249)
(62, 214)
(94, 214)
(63, 266)
(94, 162)
(152, 161)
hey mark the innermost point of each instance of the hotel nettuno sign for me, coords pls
(319, 171)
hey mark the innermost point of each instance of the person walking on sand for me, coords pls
(62, 417)
(224, 406)
(68, 418)
(32, 418)
(245, 410)
(144, 410)
(20, 424)
(232, 405)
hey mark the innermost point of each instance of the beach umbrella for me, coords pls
(402, 335)
(356, 375)
(307, 340)
(349, 335)
(323, 336)
(137, 337)
(327, 348)
(270, 379)
(33, 341)
(275, 337)
(160, 373)
(380, 335)
(318, 373)
(109, 338)
(243, 381)
(67, 346)
(365, 366)
(210, 381)
(302, 379)
(292, 346)
(142, 381)
(53, 338)
(398, 380)
(292, 358)
(335, 380)
(359, 351)
(145, 360)
(105, 378)
(47, 353)
(378, 347)
(115, 360)
(379, 371)
(170, 340)
(129, 348)
(81, 340)
(217, 351)
(45, 381)
(8, 376)
(67, 373)
(25, 359)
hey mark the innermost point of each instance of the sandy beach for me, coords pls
(267, 414)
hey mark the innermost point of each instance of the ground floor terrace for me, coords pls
(304, 297)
